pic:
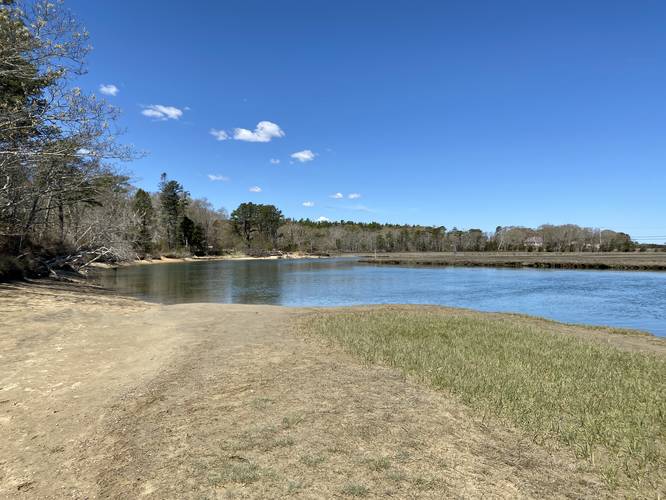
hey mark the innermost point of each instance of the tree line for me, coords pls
(347, 236)
(63, 199)
(171, 222)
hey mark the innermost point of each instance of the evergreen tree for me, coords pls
(173, 201)
(250, 219)
(193, 235)
(244, 220)
(269, 220)
(143, 208)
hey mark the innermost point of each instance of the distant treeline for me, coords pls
(171, 222)
(62, 201)
(346, 236)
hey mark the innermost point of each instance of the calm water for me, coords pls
(617, 298)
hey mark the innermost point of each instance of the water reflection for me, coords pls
(627, 299)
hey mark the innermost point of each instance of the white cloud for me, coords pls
(255, 189)
(275, 161)
(215, 177)
(353, 196)
(323, 219)
(304, 156)
(160, 112)
(108, 89)
(220, 135)
(337, 196)
(308, 203)
(264, 132)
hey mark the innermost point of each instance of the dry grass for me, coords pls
(638, 261)
(606, 404)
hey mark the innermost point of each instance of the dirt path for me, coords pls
(108, 397)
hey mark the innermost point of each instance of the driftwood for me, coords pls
(79, 261)
(101, 253)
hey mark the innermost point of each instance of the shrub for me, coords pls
(10, 269)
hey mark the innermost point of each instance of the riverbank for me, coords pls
(634, 261)
(104, 396)
(208, 258)
(66, 267)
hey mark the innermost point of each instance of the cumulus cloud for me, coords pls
(215, 177)
(108, 89)
(337, 196)
(255, 189)
(353, 196)
(274, 161)
(323, 219)
(161, 112)
(264, 132)
(304, 156)
(308, 203)
(220, 135)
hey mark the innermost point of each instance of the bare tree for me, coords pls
(55, 141)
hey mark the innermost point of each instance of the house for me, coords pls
(534, 242)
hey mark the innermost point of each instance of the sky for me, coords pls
(468, 113)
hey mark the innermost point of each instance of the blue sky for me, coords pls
(466, 113)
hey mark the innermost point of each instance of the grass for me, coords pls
(313, 460)
(378, 464)
(263, 439)
(606, 404)
(355, 490)
(291, 421)
(236, 472)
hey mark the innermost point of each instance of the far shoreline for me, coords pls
(207, 258)
(611, 261)
(614, 261)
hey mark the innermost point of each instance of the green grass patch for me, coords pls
(243, 472)
(606, 404)
(291, 421)
(264, 439)
(377, 464)
(313, 460)
(355, 490)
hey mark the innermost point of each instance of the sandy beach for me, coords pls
(207, 258)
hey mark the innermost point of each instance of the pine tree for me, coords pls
(143, 208)
(173, 201)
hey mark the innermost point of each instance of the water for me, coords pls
(615, 298)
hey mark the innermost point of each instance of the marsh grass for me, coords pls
(355, 490)
(568, 260)
(606, 404)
